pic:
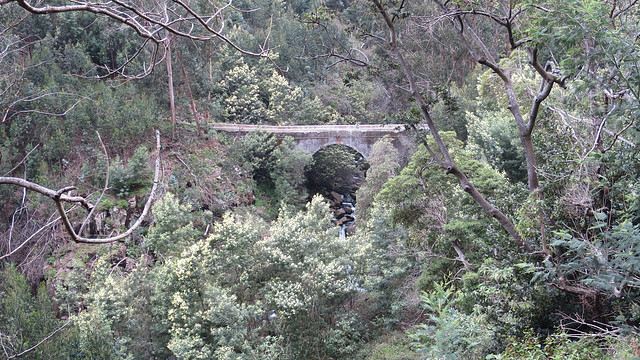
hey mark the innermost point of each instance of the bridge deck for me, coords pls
(289, 129)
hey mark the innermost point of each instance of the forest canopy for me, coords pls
(131, 228)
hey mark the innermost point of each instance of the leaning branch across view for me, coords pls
(446, 162)
(60, 197)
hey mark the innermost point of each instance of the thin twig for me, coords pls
(11, 252)
(59, 197)
(21, 161)
(41, 341)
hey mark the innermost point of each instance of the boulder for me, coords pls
(336, 197)
(351, 229)
(339, 213)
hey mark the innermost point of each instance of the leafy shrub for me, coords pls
(126, 179)
(560, 347)
(25, 320)
(173, 229)
(450, 333)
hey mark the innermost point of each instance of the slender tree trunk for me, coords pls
(207, 116)
(531, 162)
(172, 102)
(525, 126)
(194, 111)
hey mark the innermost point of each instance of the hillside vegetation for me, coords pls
(510, 232)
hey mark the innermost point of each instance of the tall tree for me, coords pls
(441, 153)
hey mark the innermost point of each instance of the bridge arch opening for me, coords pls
(338, 168)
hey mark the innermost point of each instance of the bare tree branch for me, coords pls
(563, 114)
(79, 239)
(615, 13)
(42, 228)
(544, 71)
(617, 135)
(39, 96)
(60, 197)
(44, 191)
(148, 21)
(41, 341)
(341, 58)
(598, 137)
(24, 158)
(543, 93)
(447, 163)
(334, 49)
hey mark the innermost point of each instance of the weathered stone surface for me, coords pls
(117, 218)
(122, 251)
(339, 213)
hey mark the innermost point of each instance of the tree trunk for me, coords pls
(192, 103)
(446, 162)
(172, 102)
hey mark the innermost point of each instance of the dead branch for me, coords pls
(41, 341)
(60, 197)
(11, 252)
(563, 114)
(45, 191)
(149, 22)
(32, 98)
(617, 135)
(571, 325)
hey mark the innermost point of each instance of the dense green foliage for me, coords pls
(239, 258)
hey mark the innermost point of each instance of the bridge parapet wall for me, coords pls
(311, 138)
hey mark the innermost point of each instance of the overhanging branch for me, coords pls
(148, 21)
(60, 197)
(544, 71)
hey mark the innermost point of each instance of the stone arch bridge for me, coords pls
(311, 138)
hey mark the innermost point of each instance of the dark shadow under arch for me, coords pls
(336, 167)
